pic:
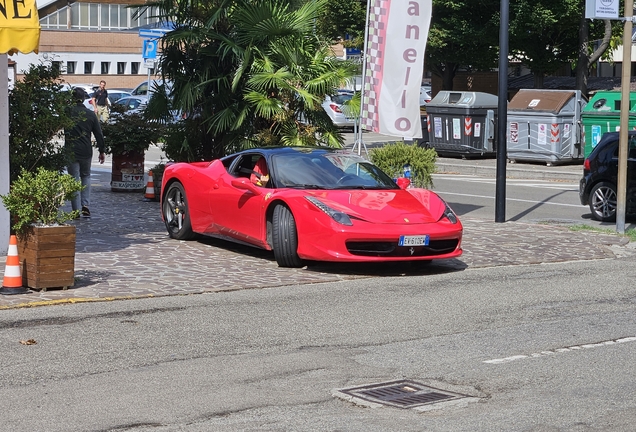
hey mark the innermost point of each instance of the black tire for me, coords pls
(285, 238)
(603, 202)
(175, 213)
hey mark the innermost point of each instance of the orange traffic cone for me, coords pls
(12, 282)
(150, 188)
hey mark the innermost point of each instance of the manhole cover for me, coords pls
(401, 394)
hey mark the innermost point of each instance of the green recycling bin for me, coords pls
(602, 114)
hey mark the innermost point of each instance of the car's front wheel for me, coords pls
(175, 213)
(285, 238)
(603, 202)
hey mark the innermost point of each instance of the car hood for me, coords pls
(385, 206)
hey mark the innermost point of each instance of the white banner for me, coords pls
(394, 63)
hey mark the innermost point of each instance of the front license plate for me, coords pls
(414, 240)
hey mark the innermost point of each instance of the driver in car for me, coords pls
(260, 174)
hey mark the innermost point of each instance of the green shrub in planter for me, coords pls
(391, 159)
(129, 133)
(36, 198)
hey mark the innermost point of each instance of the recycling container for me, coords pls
(426, 131)
(462, 123)
(602, 114)
(544, 126)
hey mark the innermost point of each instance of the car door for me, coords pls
(238, 211)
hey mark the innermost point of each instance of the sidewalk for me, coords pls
(124, 252)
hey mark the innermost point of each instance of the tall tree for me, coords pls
(250, 72)
(544, 34)
(344, 21)
(464, 33)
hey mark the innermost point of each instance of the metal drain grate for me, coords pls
(401, 394)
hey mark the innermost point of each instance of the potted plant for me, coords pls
(46, 244)
(127, 136)
(157, 177)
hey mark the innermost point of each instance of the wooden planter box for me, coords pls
(47, 257)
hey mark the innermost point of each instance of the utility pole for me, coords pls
(502, 120)
(623, 136)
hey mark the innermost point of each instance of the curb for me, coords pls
(511, 172)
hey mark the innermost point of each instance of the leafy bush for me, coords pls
(130, 132)
(391, 159)
(183, 141)
(37, 197)
(38, 114)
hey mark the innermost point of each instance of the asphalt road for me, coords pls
(535, 201)
(537, 348)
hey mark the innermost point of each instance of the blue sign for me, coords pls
(153, 33)
(150, 49)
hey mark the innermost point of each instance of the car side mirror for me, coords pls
(245, 184)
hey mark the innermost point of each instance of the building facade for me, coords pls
(93, 41)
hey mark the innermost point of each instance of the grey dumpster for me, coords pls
(462, 123)
(545, 126)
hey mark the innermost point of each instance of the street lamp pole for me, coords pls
(502, 120)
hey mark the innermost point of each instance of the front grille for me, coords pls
(391, 249)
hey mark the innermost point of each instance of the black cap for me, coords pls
(79, 94)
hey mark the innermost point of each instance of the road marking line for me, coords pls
(509, 199)
(545, 184)
(561, 350)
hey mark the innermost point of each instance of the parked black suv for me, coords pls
(600, 173)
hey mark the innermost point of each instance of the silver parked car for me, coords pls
(333, 106)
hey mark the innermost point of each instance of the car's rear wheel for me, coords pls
(603, 202)
(285, 238)
(175, 213)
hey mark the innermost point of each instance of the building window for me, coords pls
(75, 15)
(134, 68)
(57, 66)
(105, 68)
(83, 15)
(104, 24)
(93, 13)
(121, 68)
(88, 68)
(70, 67)
(62, 20)
(97, 16)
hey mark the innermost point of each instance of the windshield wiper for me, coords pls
(303, 186)
(362, 187)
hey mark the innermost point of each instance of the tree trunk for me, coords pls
(585, 61)
(448, 75)
(583, 65)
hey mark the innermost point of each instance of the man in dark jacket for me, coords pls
(78, 140)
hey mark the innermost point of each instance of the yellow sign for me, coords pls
(19, 26)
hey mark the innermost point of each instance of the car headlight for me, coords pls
(336, 215)
(450, 214)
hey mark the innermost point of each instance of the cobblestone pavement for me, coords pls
(123, 251)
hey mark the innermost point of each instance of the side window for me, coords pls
(631, 148)
(631, 152)
(245, 165)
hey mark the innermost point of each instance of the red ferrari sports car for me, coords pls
(308, 203)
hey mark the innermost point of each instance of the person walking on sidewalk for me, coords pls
(78, 142)
(101, 102)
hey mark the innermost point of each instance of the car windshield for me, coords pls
(341, 98)
(328, 170)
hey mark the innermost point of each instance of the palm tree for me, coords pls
(250, 72)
